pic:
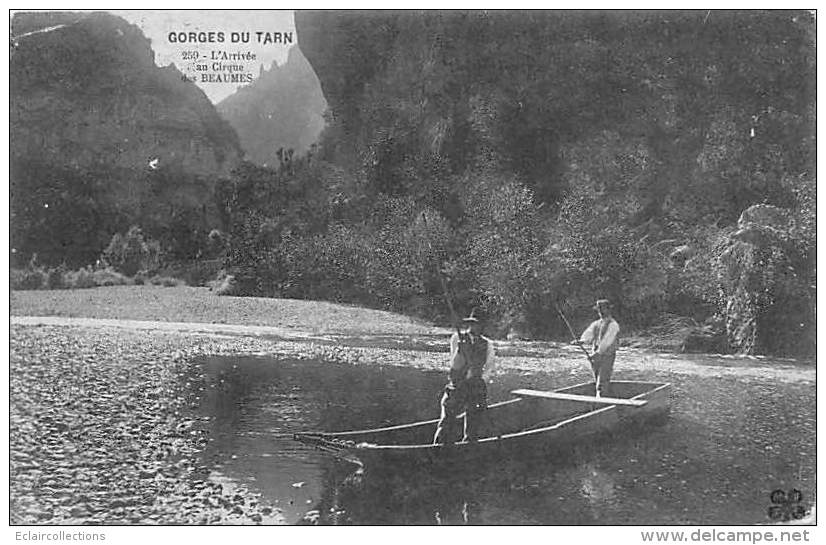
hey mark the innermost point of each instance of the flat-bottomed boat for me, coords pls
(530, 423)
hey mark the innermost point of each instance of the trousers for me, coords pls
(603, 366)
(470, 396)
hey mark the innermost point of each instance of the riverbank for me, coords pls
(103, 420)
(105, 426)
(102, 431)
(200, 305)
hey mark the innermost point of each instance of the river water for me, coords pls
(727, 444)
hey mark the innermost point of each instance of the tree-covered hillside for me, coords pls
(516, 162)
(544, 158)
(101, 138)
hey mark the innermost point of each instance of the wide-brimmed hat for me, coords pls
(603, 303)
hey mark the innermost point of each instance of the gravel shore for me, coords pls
(104, 427)
(102, 431)
(194, 304)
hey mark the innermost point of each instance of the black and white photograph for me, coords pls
(426, 267)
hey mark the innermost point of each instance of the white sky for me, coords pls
(157, 24)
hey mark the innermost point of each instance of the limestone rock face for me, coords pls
(89, 91)
(347, 50)
(768, 304)
(422, 105)
(104, 137)
(761, 225)
(283, 108)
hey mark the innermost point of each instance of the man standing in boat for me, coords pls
(603, 336)
(471, 356)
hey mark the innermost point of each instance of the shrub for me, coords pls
(225, 286)
(696, 287)
(55, 278)
(109, 277)
(166, 281)
(193, 273)
(216, 243)
(131, 253)
(28, 279)
(80, 279)
(216, 280)
(501, 237)
(15, 277)
(331, 266)
(402, 259)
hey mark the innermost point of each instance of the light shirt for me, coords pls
(490, 359)
(603, 335)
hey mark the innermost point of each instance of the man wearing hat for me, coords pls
(471, 355)
(603, 336)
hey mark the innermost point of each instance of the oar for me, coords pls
(576, 340)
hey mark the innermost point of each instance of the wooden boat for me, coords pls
(532, 422)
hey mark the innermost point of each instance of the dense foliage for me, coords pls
(520, 162)
(536, 160)
(130, 253)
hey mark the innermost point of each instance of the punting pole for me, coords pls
(453, 316)
(576, 340)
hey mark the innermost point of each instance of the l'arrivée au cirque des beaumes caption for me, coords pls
(221, 66)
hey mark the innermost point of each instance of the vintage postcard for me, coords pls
(437, 267)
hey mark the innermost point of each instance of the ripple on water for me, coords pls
(728, 443)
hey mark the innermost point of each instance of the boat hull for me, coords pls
(516, 428)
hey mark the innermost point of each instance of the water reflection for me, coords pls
(399, 499)
(597, 486)
(728, 443)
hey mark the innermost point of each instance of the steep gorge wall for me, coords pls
(637, 130)
(517, 90)
(101, 137)
(282, 109)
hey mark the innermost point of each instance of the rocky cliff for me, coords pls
(412, 93)
(101, 137)
(633, 131)
(282, 108)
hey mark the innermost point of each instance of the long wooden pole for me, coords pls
(453, 316)
(576, 339)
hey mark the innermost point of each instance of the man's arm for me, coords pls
(490, 360)
(589, 333)
(457, 360)
(454, 345)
